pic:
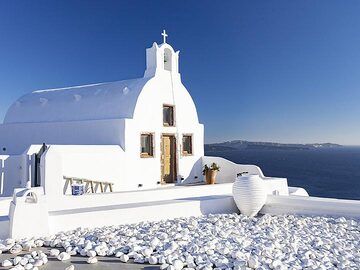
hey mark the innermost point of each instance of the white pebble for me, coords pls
(91, 253)
(16, 249)
(118, 254)
(147, 252)
(253, 262)
(178, 265)
(6, 263)
(17, 260)
(153, 260)
(29, 266)
(34, 253)
(71, 267)
(124, 258)
(92, 260)
(45, 260)
(24, 261)
(54, 252)
(63, 256)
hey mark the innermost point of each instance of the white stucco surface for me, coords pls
(113, 100)
(304, 205)
(18, 137)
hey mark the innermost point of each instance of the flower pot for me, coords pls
(249, 193)
(210, 176)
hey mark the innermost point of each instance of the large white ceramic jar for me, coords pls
(249, 193)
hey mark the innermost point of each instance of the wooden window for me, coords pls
(147, 145)
(168, 115)
(187, 145)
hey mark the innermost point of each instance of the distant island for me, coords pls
(242, 145)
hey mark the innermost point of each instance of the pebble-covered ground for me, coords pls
(208, 242)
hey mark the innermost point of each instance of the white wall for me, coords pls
(229, 170)
(14, 173)
(304, 205)
(165, 88)
(16, 138)
(95, 162)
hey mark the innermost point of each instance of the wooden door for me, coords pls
(168, 159)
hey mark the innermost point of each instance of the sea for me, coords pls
(323, 172)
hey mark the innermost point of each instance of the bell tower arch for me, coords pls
(161, 58)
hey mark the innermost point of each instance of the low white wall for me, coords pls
(303, 205)
(96, 162)
(14, 173)
(140, 212)
(136, 206)
(229, 170)
(138, 196)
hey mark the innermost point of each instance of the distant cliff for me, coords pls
(240, 144)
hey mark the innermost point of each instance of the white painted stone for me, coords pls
(54, 252)
(91, 253)
(155, 242)
(6, 263)
(39, 242)
(70, 267)
(253, 262)
(45, 260)
(147, 252)
(153, 260)
(178, 265)
(118, 254)
(16, 249)
(124, 258)
(63, 256)
(24, 261)
(92, 260)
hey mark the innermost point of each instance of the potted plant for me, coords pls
(210, 173)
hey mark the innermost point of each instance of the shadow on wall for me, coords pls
(227, 174)
(229, 170)
(195, 175)
(215, 204)
(218, 204)
(14, 171)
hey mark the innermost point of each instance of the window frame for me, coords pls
(152, 145)
(173, 115)
(185, 153)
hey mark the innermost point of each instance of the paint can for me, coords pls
(77, 189)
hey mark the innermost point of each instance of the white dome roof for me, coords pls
(112, 100)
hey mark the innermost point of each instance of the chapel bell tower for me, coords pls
(161, 58)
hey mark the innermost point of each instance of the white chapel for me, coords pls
(138, 133)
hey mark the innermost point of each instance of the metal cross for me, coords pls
(164, 35)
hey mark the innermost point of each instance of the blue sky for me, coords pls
(285, 71)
